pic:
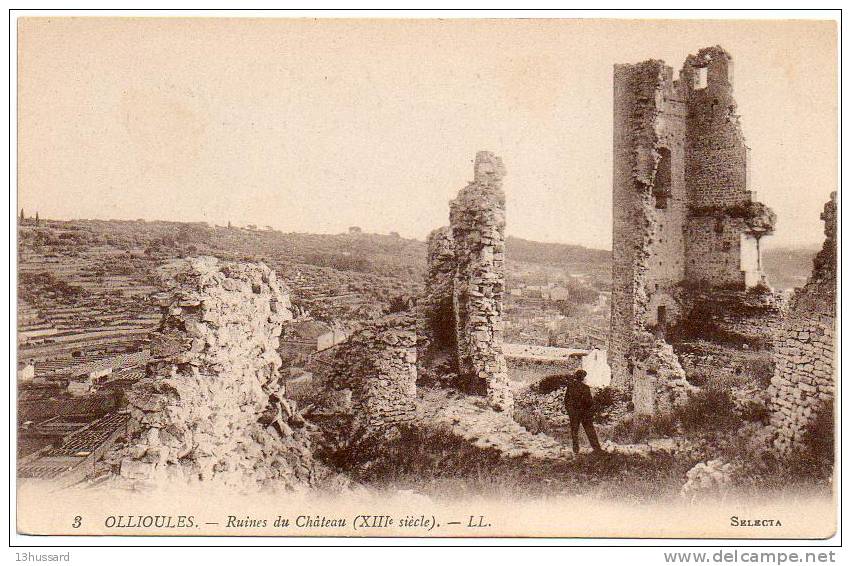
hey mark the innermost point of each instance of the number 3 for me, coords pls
(77, 522)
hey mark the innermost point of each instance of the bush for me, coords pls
(349, 448)
(550, 383)
(751, 403)
(637, 429)
(764, 471)
(632, 429)
(606, 397)
(759, 290)
(697, 378)
(32, 287)
(754, 412)
(400, 303)
(708, 409)
(818, 439)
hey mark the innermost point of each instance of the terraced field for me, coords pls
(70, 311)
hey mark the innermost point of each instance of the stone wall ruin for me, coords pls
(804, 381)
(213, 407)
(436, 319)
(659, 379)
(377, 366)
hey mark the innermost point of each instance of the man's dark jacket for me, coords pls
(577, 399)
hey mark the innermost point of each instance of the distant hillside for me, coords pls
(528, 251)
(336, 275)
(358, 251)
(378, 254)
(785, 267)
(788, 267)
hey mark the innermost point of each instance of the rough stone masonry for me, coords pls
(212, 407)
(472, 251)
(378, 366)
(804, 379)
(436, 310)
(685, 218)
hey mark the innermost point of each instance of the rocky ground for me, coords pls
(473, 420)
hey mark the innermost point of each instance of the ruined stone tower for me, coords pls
(378, 366)
(461, 309)
(685, 217)
(477, 220)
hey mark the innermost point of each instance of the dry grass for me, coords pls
(441, 465)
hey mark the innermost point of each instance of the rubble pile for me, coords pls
(473, 420)
(708, 478)
(660, 381)
(212, 406)
(541, 412)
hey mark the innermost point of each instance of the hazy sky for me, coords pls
(314, 126)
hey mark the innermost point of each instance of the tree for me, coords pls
(22, 215)
(36, 218)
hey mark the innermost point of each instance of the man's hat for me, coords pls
(580, 374)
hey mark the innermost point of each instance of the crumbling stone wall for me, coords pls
(706, 363)
(541, 412)
(732, 316)
(436, 323)
(684, 217)
(378, 366)
(477, 220)
(213, 406)
(534, 409)
(805, 377)
(724, 250)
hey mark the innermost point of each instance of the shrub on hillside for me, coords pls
(636, 429)
(818, 439)
(606, 397)
(708, 409)
(761, 369)
(32, 286)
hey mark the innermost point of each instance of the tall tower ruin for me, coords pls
(477, 220)
(460, 312)
(684, 215)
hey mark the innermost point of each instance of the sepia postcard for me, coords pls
(422, 277)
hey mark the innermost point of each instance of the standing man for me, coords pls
(580, 409)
